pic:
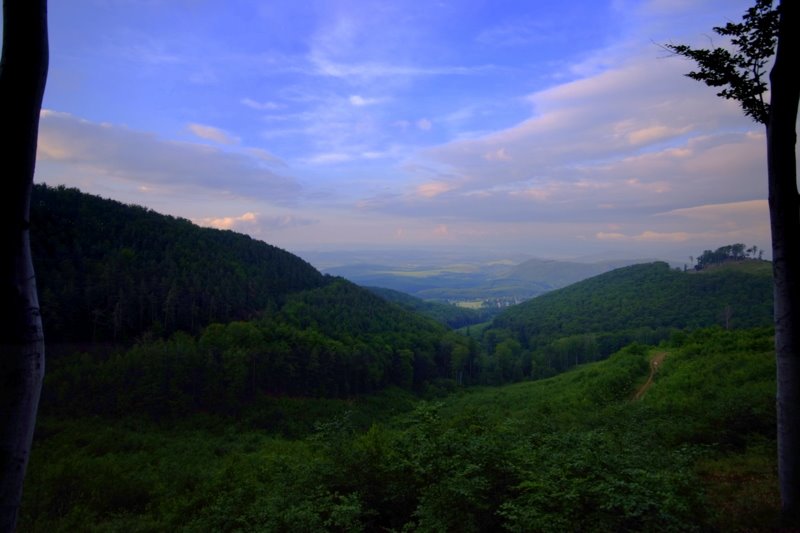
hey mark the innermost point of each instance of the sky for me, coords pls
(557, 129)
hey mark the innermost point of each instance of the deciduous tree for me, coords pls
(765, 31)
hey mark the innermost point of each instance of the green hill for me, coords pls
(595, 317)
(110, 272)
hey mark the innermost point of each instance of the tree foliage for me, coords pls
(741, 73)
(724, 254)
(570, 453)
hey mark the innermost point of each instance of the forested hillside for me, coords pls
(335, 341)
(593, 318)
(110, 272)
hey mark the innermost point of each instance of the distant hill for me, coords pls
(496, 280)
(428, 282)
(594, 317)
(448, 314)
(556, 274)
(107, 271)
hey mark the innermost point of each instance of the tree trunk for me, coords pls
(784, 208)
(23, 71)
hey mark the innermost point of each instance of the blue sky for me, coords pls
(557, 129)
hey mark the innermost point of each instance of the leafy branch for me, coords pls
(741, 73)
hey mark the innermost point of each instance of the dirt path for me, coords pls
(655, 363)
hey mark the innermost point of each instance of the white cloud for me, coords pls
(265, 156)
(360, 101)
(647, 236)
(424, 124)
(648, 143)
(441, 230)
(501, 154)
(429, 190)
(751, 208)
(329, 157)
(518, 32)
(82, 152)
(228, 222)
(211, 133)
(260, 106)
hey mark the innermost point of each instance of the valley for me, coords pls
(201, 380)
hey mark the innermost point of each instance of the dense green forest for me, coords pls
(577, 452)
(335, 341)
(111, 272)
(593, 318)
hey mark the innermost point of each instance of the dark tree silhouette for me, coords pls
(741, 73)
(23, 72)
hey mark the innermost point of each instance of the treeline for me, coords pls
(335, 341)
(111, 272)
(644, 303)
(730, 252)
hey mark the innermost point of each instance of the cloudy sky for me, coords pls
(557, 129)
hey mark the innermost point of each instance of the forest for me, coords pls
(200, 380)
(574, 452)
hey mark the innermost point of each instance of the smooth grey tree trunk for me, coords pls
(23, 72)
(784, 208)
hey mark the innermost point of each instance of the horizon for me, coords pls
(554, 131)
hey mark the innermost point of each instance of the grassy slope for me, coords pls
(571, 452)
